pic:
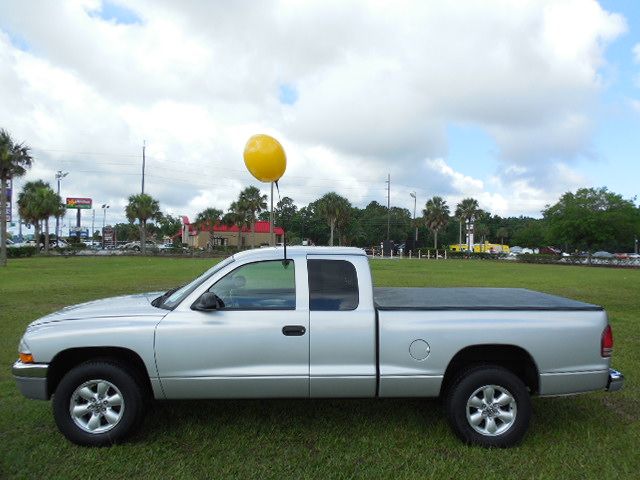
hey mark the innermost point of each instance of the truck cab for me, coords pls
(300, 327)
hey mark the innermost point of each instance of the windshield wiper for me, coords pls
(157, 302)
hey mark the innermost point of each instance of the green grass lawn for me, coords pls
(595, 435)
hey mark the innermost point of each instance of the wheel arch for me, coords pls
(512, 357)
(67, 359)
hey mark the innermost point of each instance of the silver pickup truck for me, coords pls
(308, 326)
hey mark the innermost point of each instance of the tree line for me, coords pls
(586, 220)
(589, 219)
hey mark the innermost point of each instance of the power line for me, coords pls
(215, 178)
(71, 152)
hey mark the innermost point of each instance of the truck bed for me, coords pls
(473, 299)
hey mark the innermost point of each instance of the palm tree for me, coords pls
(482, 231)
(503, 232)
(208, 217)
(253, 202)
(142, 207)
(236, 216)
(50, 205)
(467, 209)
(30, 206)
(233, 218)
(14, 162)
(334, 209)
(436, 216)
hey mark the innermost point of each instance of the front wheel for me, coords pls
(98, 403)
(489, 406)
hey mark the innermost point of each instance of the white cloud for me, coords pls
(636, 52)
(377, 83)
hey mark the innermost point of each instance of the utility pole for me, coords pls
(415, 200)
(388, 205)
(93, 224)
(144, 145)
(59, 176)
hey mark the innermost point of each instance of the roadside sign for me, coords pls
(9, 186)
(79, 203)
(108, 237)
(79, 232)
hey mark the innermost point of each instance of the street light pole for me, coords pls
(104, 220)
(59, 176)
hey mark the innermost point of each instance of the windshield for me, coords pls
(175, 297)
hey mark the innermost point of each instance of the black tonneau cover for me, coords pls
(473, 299)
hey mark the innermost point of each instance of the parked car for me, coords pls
(135, 246)
(172, 247)
(602, 254)
(19, 244)
(52, 244)
(312, 325)
(60, 243)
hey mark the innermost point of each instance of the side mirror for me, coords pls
(207, 302)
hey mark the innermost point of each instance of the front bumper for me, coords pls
(615, 381)
(31, 379)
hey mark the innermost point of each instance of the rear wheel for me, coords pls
(489, 406)
(98, 403)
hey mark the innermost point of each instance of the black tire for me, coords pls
(130, 413)
(474, 379)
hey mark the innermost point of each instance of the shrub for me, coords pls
(476, 255)
(539, 258)
(21, 252)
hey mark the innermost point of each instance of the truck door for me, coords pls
(255, 346)
(342, 340)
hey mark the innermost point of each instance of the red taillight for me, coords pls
(606, 345)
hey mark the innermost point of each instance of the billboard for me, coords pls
(79, 203)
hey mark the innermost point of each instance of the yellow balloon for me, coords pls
(265, 158)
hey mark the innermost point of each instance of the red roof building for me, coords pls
(220, 234)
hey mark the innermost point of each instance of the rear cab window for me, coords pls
(333, 285)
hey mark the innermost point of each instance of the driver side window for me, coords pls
(266, 285)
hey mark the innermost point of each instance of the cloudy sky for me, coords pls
(511, 102)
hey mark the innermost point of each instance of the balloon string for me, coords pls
(278, 190)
